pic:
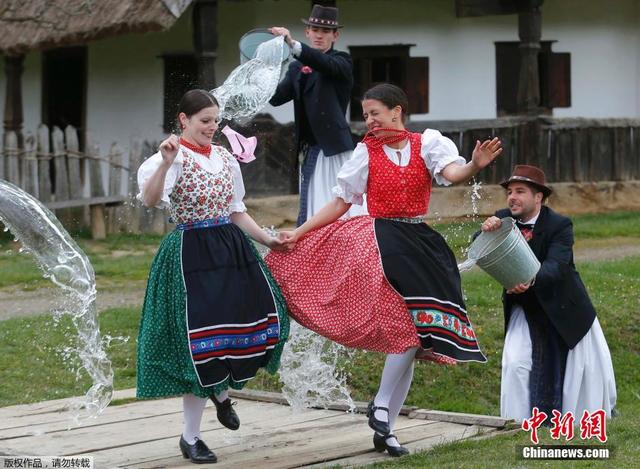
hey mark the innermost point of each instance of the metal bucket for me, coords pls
(505, 255)
(250, 41)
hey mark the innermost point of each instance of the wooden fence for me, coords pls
(90, 189)
(84, 188)
(568, 150)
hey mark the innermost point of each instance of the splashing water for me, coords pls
(476, 196)
(310, 372)
(62, 261)
(251, 85)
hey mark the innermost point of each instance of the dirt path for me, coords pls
(17, 303)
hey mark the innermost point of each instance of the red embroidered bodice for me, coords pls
(394, 191)
(199, 195)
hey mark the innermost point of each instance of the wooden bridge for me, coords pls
(145, 434)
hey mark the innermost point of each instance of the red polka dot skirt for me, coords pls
(334, 284)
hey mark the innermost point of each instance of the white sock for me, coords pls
(223, 396)
(395, 367)
(390, 441)
(192, 408)
(399, 396)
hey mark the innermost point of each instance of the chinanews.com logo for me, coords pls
(592, 426)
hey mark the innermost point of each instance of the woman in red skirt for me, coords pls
(386, 282)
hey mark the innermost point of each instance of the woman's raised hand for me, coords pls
(169, 149)
(485, 152)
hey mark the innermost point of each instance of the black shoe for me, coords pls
(226, 415)
(377, 425)
(380, 444)
(198, 452)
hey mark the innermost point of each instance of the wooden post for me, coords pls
(11, 154)
(205, 41)
(529, 31)
(44, 164)
(30, 166)
(135, 208)
(98, 227)
(2, 158)
(60, 165)
(114, 214)
(13, 68)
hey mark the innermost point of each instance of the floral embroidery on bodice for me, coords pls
(200, 195)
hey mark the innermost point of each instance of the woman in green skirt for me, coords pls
(212, 314)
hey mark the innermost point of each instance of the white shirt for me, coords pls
(212, 164)
(437, 152)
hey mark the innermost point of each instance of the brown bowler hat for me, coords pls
(531, 175)
(323, 17)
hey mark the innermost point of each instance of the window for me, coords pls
(389, 64)
(554, 69)
(180, 75)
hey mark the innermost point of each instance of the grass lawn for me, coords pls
(614, 287)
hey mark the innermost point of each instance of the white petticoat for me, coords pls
(589, 381)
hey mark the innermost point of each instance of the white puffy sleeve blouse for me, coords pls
(212, 164)
(437, 151)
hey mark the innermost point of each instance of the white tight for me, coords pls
(192, 407)
(394, 387)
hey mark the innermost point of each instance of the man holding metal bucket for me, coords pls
(319, 82)
(555, 355)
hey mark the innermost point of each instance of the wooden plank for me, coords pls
(148, 437)
(30, 166)
(278, 398)
(456, 417)
(291, 442)
(105, 200)
(60, 164)
(115, 169)
(57, 405)
(128, 430)
(73, 162)
(95, 171)
(621, 155)
(44, 164)
(315, 445)
(424, 444)
(98, 226)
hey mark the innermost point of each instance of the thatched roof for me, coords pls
(32, 25)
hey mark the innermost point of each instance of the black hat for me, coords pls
(531, 175)
(323, 17)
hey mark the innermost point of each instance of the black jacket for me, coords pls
(323, 100)
(558, 287)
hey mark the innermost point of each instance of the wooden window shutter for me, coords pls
(555, 79)
(417, 84)
(507, 75)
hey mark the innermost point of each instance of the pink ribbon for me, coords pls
(241, 146)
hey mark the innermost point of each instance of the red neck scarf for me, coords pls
(204, 151)
(375, 140)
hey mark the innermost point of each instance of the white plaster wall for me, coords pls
(604, 41)
(460, 51)
(602, 37)
(125, 93)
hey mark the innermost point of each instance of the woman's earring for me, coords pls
(393, 119)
